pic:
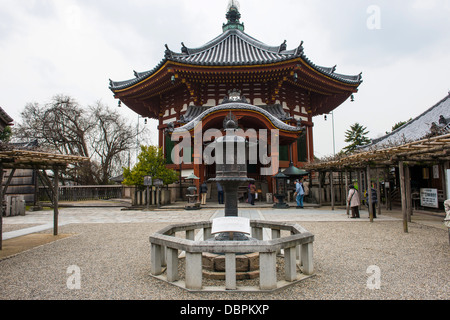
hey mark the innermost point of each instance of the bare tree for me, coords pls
(111, 136)
(96, 132)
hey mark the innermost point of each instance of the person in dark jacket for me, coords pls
(252, 193)
(373, 194)
(220, 193)
(203, 192)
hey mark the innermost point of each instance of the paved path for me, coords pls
(43, 220)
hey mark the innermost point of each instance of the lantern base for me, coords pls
(280, 204)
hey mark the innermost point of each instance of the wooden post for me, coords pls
(378, 192)
(2, 196)
(360, 188)
(408, 193)
(388, 195)
(320, 188)
(331, 190)
(345, 193)
(403, 195)
(55, 200)
(444, 166)
(369, 194)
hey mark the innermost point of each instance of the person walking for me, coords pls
(220, 193)
(353, 202)
(373, 194)
(299, 194)
(203, 192)
(252, 193)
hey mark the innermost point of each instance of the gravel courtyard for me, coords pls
(114, 260)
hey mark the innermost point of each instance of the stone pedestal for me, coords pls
(214, 266)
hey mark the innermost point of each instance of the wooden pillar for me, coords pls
(320, 188)
(360, 188)
(388, 192)
(378, 192)
(294, 152)
(369, 194)
(331, 190)
(55, 200)
(403, 195)
(310, 144)
(345, 193)
(409, 208)
(443, 167)
(3, 190)
(341, 191)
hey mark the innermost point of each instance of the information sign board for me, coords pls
(231, 224)
(429, 198)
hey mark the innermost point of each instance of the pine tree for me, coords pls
(356, 136)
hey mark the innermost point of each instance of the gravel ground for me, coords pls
(114, 260)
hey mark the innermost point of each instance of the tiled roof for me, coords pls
(277, 123)
(235, 48)
(275, 110)
(435, 120)
(4, 116)
(5, 119)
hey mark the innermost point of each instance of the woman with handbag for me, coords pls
(353, 202)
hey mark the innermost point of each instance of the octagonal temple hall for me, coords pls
(272, 87)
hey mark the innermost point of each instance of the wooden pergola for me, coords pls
(430, 150)
(39, 161)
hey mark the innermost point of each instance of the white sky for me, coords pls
(50, 47)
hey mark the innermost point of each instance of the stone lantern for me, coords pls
(281, 190)
(231, 167)
(192, 195)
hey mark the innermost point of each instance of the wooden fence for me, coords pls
(82, 193)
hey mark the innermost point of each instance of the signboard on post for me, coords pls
(158, 182)
(147, 181)
(429, 198)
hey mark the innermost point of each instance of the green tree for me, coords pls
(151, 162)
(5, 135)
(356, 136)
(398, 125)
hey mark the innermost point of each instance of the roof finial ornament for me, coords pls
(233, 3)
(283, 46)
(167, 53)
(233, 17)
(184, 49)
